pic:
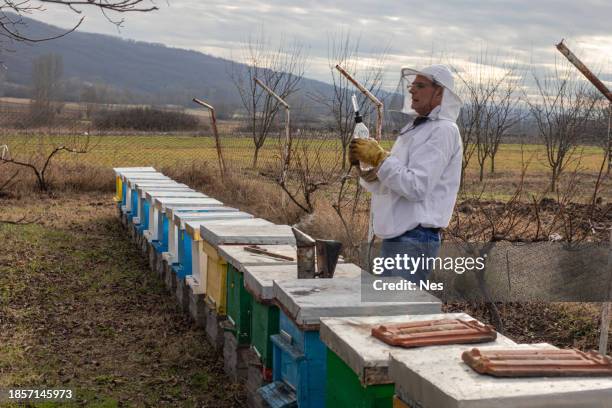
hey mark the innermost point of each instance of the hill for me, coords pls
(131, 71)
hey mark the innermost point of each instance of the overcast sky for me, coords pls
(412, 31)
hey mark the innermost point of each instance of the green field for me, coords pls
(163, 150)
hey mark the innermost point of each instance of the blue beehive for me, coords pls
(188, 225)
(119, 172)
(129, 203)
(143, 187)
(126, 190)
(299, 355)
(173, 226)
(159, 238)
(160, 192)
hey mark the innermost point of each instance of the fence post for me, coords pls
(213, 119)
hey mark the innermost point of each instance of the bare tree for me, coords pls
(561, 109)
(602, 129)
(46, 75)
(38, 159)
(12, 26)
(280, 68)
(343, 50)
(490, 90)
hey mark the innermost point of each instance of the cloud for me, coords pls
(414, 32)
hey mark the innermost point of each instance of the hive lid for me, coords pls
(259, 279)
(193, 227)
(350, 338)
(161, 203)
(538, 363)
(124, 170)
(154, 183)
(154, 192)
(239, 257)
(181, 218)
(231, 234)
(192, 210)
(434, 332)
(307, 300)
(143, 176)
(427, 378)
(182, 194)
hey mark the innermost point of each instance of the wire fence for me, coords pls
(31, 132)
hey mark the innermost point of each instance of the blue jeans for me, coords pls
(419, 242)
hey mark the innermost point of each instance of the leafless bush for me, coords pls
(561, 108)
(145, 119)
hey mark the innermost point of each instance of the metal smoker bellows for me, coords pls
(327, 254)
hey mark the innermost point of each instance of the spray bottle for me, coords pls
(361, 130)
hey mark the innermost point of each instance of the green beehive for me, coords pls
(239, 300)
(239, 305)
(264, 323)
(343, 388)
(259, 281)
(358, 363)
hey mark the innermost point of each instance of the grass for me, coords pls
(160, 150)
(79, 309)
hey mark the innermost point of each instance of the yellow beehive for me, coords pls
(398, 403)
(119, 189)
(216, 278)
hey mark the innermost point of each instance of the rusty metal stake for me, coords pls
(585, 71)
(213, 118)
(287, 148)
(596, 82)
(379, 123)
(370, 96)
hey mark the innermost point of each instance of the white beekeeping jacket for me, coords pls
(419, 181)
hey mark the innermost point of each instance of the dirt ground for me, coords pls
(79, 309)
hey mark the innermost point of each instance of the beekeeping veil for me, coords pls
(440, 75)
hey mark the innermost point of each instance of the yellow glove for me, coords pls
(367, 151)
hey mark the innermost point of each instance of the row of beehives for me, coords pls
(307, 342)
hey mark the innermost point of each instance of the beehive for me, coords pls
(215, 235)
(259, 283)
(130, 200)
(299, 355)
(358, 363)
(120, 171)
(239, 300)
(440, 379)
(162, 223)
(153, 190)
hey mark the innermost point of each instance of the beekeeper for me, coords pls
(414, 186)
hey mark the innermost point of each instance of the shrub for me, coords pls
(145, 119)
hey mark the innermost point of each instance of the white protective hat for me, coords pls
(440, 75)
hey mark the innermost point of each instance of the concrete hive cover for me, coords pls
(186, 211)
(240, 258)
(155, 183)
(179, 194)
(270, 234)
(120, 171)
(441, 379)
(259, 279)
(306, 301)
(350, 339)
(194, 227)
(195, 220)
(176, 202)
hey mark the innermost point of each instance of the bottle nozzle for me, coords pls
(355, 105)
